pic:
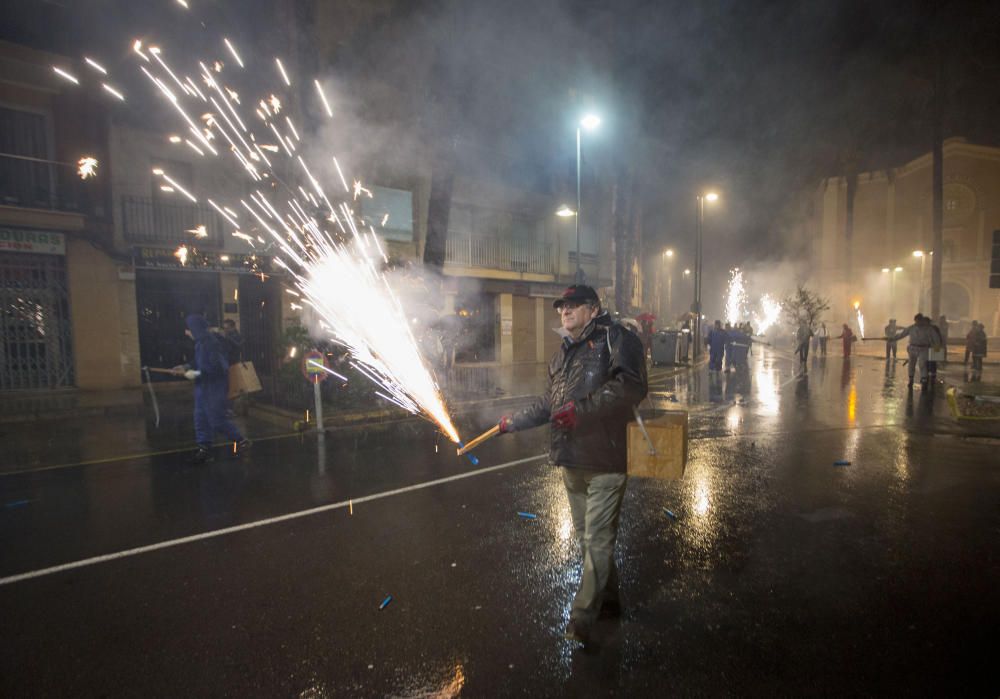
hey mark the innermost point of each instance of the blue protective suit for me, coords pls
(211, 387)
(717, 341)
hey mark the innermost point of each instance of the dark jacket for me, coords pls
(232, 345)
(209, 357)
(604, 373)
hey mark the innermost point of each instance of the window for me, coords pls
(394, 207)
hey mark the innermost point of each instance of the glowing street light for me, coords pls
(565, 212)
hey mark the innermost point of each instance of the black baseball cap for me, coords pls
(579, 293)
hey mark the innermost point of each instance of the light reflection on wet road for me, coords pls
(782, 573)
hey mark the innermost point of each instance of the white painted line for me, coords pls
(259, 523)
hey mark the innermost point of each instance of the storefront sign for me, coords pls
(196, 260)
(25, 240)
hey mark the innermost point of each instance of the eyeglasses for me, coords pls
(568, 306)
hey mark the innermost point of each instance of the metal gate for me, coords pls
(259, 321)
(36, 351)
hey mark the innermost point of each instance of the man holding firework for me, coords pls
(210, 373)
(596, 379)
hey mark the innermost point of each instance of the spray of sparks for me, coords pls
(861, 318)
(335, 260)
(736, 297)
(86, 167)
(770, 312)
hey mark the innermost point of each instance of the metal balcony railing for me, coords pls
(35, 183)
(150, 221)
(499, 253)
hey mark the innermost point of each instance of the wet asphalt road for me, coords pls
(782, 574)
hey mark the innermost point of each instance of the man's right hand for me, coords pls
(506, 424)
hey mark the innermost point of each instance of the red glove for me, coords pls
(506, 424)
(565, 417)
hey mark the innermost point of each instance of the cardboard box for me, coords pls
(242, 379)
(669, 434)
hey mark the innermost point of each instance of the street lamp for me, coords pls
(588, 122)
(565, 212)
(668, 256)
(702, 198)
(920, 286)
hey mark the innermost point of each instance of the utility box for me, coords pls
(665, 347)
(669, 436)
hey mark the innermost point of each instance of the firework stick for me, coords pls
(488, 434)
(152, 396)
(157, 370)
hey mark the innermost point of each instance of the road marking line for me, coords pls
(259, 523)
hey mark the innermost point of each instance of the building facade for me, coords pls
(886, 265)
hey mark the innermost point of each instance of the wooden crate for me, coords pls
(669, 434)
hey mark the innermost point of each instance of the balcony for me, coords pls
(147, 221)
(35, 183)
(507, 254)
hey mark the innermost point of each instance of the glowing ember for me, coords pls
(769, 315)
(322, 97)
(86, 167)
(66, 76)
(199, 231)
(736, 297)
(334, 259)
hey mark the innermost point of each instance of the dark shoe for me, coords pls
(577, 631)
(241, 448)
(611, 608)
(202, 456)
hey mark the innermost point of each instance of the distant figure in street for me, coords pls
(942, 326)
(890, 340)
(685, 339)
(822, 334)
(921, 338)
(596, 379)
(232, 342)
(802, 336)
(937, 342)
(969, 339)
(717, 340)
(740, 343)
(978, 349)
(210, 373)
(729, 346)
(849, 338)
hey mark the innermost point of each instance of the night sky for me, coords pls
(759, 99)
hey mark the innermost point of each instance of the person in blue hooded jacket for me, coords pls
(210, 373)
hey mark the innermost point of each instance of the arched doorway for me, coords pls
(955, 301)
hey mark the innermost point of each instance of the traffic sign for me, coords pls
(314, 366)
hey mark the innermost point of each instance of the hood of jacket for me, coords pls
(198, 326)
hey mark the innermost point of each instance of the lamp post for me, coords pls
(668, 258)
(892, 288)
(702, 198)
(920, 286)
(588, 122)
